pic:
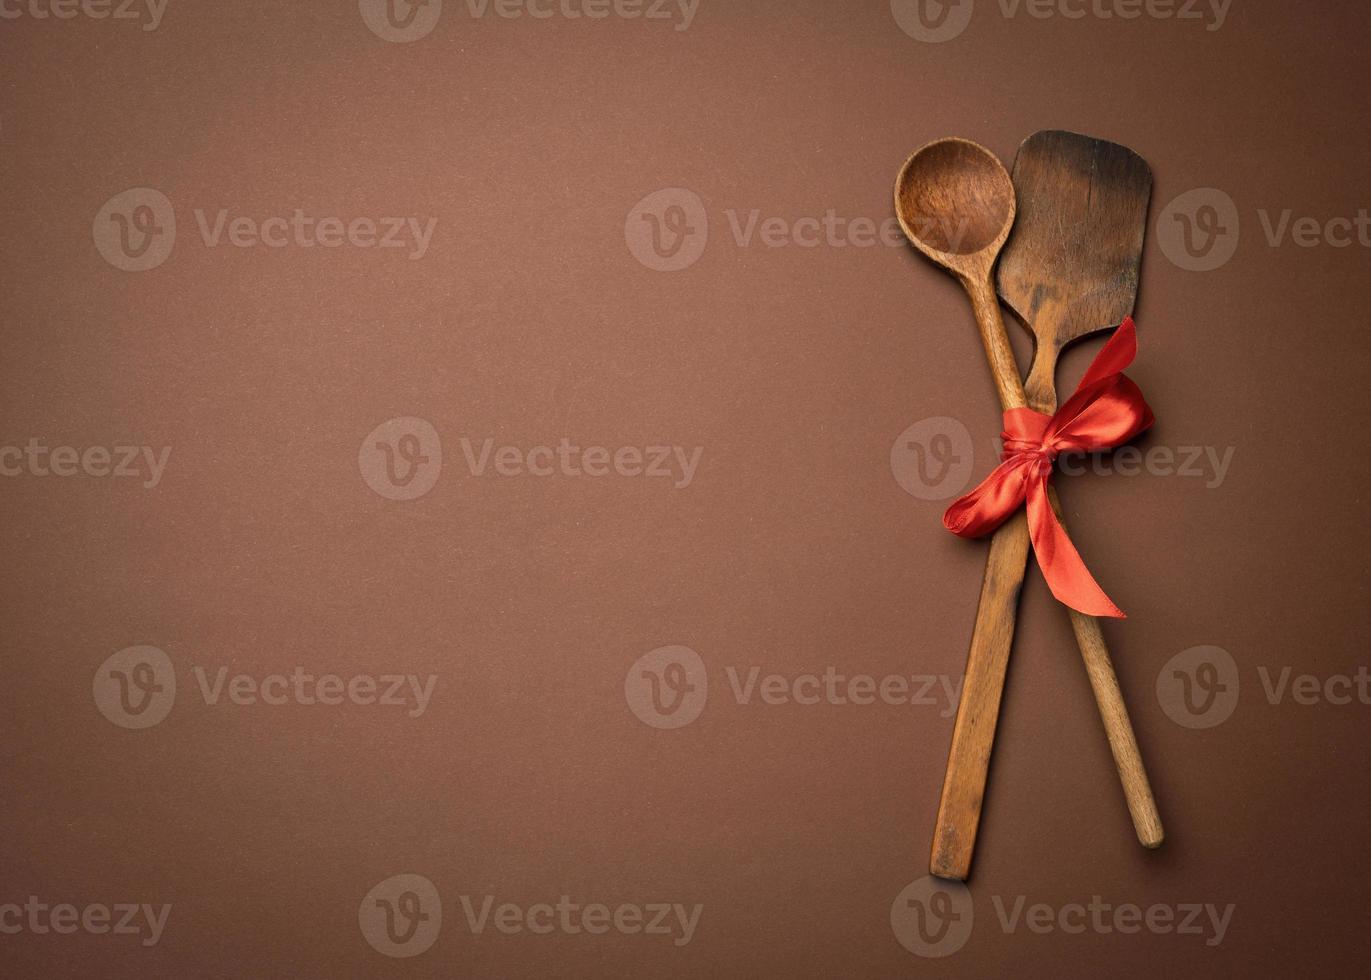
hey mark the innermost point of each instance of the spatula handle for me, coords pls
(1042, 397)
(1118, 729)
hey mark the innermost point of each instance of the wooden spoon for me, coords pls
(955, 202)
(1070, 269)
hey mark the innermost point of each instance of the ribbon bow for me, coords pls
(1106, 410)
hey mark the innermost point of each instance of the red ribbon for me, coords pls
(1106, 410)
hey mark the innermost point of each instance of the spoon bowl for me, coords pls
(955, 202)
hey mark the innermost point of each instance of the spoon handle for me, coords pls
(978, 711)
(973, 733)
(990, 322)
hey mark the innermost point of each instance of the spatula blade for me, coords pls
(1070, 266)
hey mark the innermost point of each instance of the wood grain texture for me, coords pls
(1070, 266)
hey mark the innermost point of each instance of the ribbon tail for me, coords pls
(1117, 353)
(988, 506)
(1068, 578)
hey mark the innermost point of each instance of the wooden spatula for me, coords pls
(1069, 269)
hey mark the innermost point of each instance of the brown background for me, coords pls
(794, 549)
